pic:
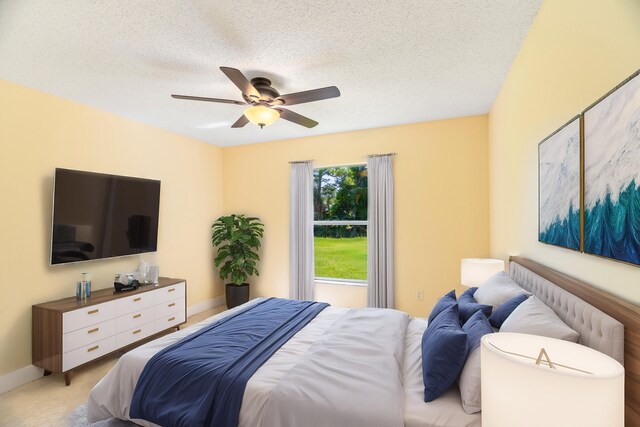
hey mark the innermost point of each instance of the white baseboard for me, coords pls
(205, 305)
(30, 373)
(19, 377)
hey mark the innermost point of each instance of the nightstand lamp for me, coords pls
(476, 271)
(529, 380)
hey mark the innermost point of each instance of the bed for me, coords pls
(360, 366)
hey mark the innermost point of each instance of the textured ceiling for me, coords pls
(395, 62)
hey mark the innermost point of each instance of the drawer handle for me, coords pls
(90, 331)
(171, 318)
(93, 311)
(171, 290)
(137, 331)
(93, 348)
(172, 304)
(135, 316)
(137, 299)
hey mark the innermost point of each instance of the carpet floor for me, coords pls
(78, 418)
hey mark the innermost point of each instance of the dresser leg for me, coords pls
(67, 378)
(178, 327)
(46, 373)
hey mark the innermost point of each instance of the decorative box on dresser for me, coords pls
(69, 333)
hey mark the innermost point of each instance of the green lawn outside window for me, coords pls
(343, 258)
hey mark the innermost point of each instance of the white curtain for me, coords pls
(380, 232)
(301, 232)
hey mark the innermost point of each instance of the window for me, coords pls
(340, 223)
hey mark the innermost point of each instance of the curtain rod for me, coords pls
(382, 154)
(370, 155)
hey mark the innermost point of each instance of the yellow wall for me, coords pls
(575, 52)
(341, 295)
(39, 132)
(441, 199)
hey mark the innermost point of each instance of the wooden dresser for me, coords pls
(69, 333)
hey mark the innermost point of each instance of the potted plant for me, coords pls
(237, 239)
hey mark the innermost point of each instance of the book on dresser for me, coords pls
(70, 333)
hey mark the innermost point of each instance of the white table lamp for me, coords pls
(476, 271)
(529, 380)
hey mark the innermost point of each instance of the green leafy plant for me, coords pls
(237, 239)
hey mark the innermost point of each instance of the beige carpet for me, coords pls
(78, 418)
(47, 402)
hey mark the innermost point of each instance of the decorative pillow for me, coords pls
(467, 306)
(469, 382)
(444, 350)
(497, 290)
(500, 315)
(533, 317)
(443, 303)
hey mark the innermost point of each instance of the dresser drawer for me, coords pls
(87, 335)
(90, 315)
(169, 293)
(166, 308)
(169, 321)
(132, 335)
(135, 319)
(135, 302)
(87, 353)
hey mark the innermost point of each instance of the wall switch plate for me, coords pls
(420, 295)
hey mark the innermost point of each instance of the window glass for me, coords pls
(343, 257)
(340, 222)
(340, 193)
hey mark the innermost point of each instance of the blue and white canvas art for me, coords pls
(612, 174)
(559, 187)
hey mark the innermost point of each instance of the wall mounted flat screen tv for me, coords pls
(99, 216)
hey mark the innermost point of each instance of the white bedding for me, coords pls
(319, 377)
(445, 411)
(352, 373)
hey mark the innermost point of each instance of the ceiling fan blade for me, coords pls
(240, 122)
(309, 96)
(241, 81)
(200, 98)
(297, 118)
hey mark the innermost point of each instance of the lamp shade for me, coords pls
(585, 387)
(476, 271)
(261, 115)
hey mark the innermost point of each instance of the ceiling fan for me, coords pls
(265, 101)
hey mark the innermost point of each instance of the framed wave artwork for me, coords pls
(612, 174)
(559, 187)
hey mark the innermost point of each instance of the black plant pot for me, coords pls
(236, 294)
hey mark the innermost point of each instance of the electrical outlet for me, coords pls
(419, 295)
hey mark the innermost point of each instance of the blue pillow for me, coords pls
(444, 351)
(443, 303)
(502, 312)
(467, 305)
(476, 327)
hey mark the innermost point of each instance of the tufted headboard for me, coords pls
(597, 329)
(605, 322)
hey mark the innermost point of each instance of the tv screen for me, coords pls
(102, 216)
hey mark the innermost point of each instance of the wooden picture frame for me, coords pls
(612, 174)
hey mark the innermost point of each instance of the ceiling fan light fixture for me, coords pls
(261, 115)
(264, 100)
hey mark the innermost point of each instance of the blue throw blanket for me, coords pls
(200, 380)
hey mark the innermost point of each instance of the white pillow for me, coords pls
(497, 290)
(535, 318)
(469, 383)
